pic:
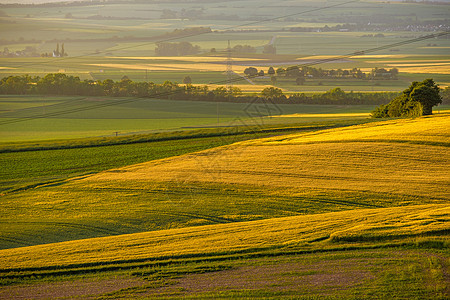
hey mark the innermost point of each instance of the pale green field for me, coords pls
(139, 116)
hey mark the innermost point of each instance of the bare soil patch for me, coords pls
(325, 278)
(85, 289)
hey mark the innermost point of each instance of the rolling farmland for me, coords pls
(141, 158)
(329, 204)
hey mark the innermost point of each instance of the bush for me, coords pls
(417, 100)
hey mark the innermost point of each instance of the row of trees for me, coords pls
(333, 96)
(61, 84)
(296, 71)
(176, 49)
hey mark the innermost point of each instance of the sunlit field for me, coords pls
(248, 196)
(286, 175)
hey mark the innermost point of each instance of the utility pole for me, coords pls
(229, 86)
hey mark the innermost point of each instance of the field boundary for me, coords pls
(157, 137)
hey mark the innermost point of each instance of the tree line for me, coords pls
(311, 72)
(62, 84)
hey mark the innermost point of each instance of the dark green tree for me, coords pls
(417, 100)
(281, 71)
(63, 52)
(251, 71)
(427, 93)
(293, 71)
(272, 92)
(445, 95)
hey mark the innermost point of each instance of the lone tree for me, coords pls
(425, 92)
(417, 100)
(251, 72)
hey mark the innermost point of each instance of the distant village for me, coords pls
(30, 51)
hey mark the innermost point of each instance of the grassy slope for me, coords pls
(380, 253)
(397, 250)
(282, 176)
(396, 153)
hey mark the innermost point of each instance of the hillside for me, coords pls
(382, 164)
(387, 157)
(310, 232)
(377, 244)
(300, 213)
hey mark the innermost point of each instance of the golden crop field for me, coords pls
(331, 228)
(399, 157)
(217, 67)
(426, 70)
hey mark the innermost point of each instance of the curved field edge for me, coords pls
(428, 130)
(29, 165)
(403, 157)
(357, 228)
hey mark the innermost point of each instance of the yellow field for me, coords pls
(426, 70)
(334, 228)
(421, 64)
(426, 129)
(399, 157)
(415, 65)
(190, 58)
(380, 188)
(356, 56)
(176, 67)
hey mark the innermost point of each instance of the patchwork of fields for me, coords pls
(136, 198)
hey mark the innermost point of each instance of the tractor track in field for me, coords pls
(68, 224)
(14, 240)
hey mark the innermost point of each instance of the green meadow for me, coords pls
(137, 115)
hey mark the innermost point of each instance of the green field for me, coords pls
(134, 116)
